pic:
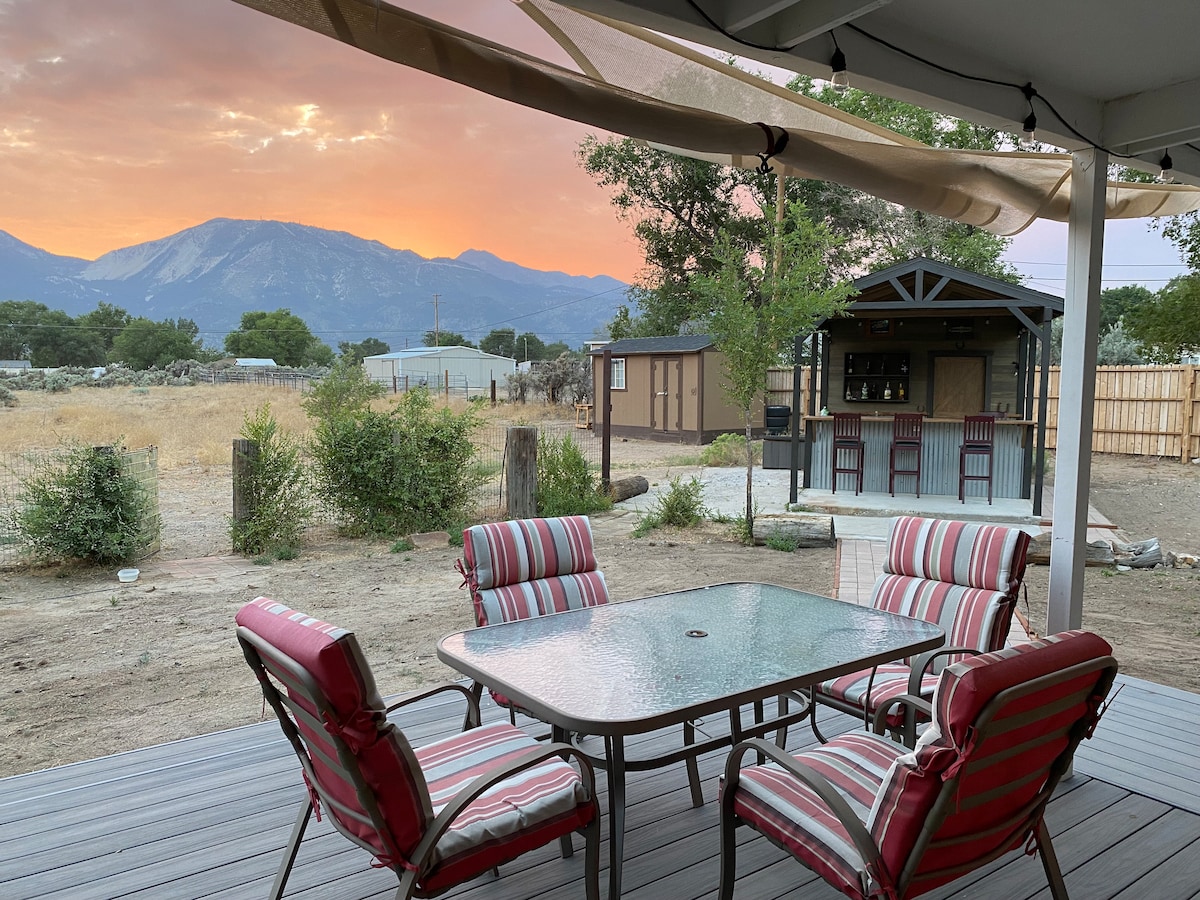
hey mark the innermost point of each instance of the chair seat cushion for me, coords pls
(542, 597)
(509, 818)
(791, 814)
(891, 680)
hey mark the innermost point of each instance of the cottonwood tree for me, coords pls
(280, 335)
(678, 206)
(144, 343)
(760, 302)
(355, 353)
(445, 339)
(1168, 327)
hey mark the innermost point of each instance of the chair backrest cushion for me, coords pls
(995, 776)
(991, 557)
(971, 617)
(531, 567)
(354, 711)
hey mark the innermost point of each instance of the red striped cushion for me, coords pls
(986, 794)
(501, 553)
(332, 657)
(890, 681)
(507, 820)
(794, 817)
(543, 597)
(971, 617)
(991, 557)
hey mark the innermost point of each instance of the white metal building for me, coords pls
(464, 368)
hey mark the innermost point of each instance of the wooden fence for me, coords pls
(1139, 410)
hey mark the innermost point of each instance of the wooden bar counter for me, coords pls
(942, 439)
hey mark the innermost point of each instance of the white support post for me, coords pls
(1077, 390)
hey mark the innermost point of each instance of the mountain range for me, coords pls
(344, 287)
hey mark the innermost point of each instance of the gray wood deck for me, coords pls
(207, 817)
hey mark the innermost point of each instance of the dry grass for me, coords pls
(191, 426)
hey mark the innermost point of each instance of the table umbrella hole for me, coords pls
(696, 632)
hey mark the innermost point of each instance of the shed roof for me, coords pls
(252, 361)
(682, 343)
(419, 352)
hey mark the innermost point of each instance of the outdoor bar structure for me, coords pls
(926, 338)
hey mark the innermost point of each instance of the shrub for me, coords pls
(84, 506)
(782, 542)
(729, 450)
(565, 484)
(346, 390)
(7, 397)
(274, 485)
(396, 472)
(682, 505)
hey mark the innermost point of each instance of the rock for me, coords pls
(1184, 560)
(428, 540)
(1139, 555)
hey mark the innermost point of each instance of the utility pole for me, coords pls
(436, 329)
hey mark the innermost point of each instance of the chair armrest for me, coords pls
(863, 842)
(448, 687)
(923, 662)
(914, 702)
(472, 791)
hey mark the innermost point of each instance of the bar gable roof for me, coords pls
(925, 285)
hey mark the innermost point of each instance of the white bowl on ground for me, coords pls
(126, 576)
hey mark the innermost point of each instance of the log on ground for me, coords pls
(1099, 553)
(806, 529)
(624, 488)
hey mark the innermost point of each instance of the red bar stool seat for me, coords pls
(978, 441)
(847, 438)
(906, 438)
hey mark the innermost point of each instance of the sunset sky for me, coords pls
(123, 121)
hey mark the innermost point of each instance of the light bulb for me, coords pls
(1028, 139)
(1166, 176)
(840, 79)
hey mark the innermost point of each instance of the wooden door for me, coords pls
(666, 394)
(958, 386)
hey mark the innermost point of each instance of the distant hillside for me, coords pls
(344, 287)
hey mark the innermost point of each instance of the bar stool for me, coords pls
(978, 440)
(847, 436)
(906, 438)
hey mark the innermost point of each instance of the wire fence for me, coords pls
(19, 469)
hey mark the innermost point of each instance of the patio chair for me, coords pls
(962, 576)
(436, 815)
(536, 567)
(875, 821)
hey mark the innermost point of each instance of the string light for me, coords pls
(1028, 139)
(840, 79)
(1166, 176)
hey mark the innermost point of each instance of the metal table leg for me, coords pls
(615, 750)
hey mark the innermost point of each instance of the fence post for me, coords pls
(1190, 396)
(520, 471)
(245, 454)
(493, 392)
(446, 384)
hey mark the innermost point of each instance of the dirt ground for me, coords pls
(92, 667)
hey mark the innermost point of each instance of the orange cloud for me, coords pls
(126, 121)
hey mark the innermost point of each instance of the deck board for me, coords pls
(207, 818)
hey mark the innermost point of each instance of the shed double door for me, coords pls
(666, 394)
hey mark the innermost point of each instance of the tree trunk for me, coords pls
(749, 474)
(806, 529)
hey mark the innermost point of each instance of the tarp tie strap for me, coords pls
(775, 145)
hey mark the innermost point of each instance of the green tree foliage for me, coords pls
(1118, 302)
(1118, 348)
(566, 378)
(275, 489)
(46, 337)
(106, 322)
(1168, 327)
(143, 343)
(1184, 232)
(760, 302)
(279, 335)
(85, 506)
(356, 353)
(396, 472)
(501, 342)
(345, 391)
(678, 207)
(445, 339)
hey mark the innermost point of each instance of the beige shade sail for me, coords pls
(638, 84)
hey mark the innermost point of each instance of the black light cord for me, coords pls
(1026, 90)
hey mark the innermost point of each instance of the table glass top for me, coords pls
(645, 658)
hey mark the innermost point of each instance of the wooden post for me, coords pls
(520, 471)
(493, 393)
(245, 455)
(446, 383)
(606, 411)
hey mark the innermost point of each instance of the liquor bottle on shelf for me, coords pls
(887, 391)
(902, 390)
(850, 364)
(864, 390)
(848, 397)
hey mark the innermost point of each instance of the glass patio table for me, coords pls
(634, 667)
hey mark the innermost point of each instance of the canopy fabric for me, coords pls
(640, 85)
